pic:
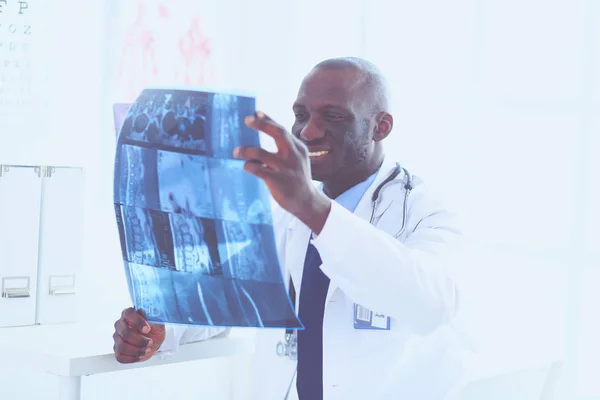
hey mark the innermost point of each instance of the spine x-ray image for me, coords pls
(196, 230)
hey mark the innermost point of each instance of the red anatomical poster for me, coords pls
(159, 42)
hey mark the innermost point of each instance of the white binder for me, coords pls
(19, 222)
(61, 240)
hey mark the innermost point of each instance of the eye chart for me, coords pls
(15, 65)
(22, 76)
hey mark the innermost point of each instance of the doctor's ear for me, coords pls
(383, 127)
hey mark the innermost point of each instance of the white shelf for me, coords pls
(71, 351)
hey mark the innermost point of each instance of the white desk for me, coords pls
(71, 351)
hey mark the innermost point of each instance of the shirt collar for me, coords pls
(351, 197)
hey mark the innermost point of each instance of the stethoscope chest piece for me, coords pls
(289, 347)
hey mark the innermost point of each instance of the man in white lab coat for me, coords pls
(374, 283)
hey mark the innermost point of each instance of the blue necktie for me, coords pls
(311, 306)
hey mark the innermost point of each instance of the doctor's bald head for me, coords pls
(370, 83)
(343, 113)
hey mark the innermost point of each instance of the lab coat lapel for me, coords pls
(298, 237)
(364, 207)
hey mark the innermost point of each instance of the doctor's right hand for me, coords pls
(136, 340)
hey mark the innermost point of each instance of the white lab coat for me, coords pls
(408, 278)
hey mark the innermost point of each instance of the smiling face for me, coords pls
(336, 120)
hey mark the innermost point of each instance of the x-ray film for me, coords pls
(196, 230)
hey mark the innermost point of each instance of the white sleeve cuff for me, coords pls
(177, 335)
(171, 343)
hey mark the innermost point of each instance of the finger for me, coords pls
(256, 154)
(153, 327)
(135, 320)
(263, 123)
(293, 139)
(122, 347)
(131, 336)
(257, 169)
(265, 117)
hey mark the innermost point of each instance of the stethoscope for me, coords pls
(407, 188)
(289, 346)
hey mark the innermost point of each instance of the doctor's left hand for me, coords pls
(135, 339)
(286, 173)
